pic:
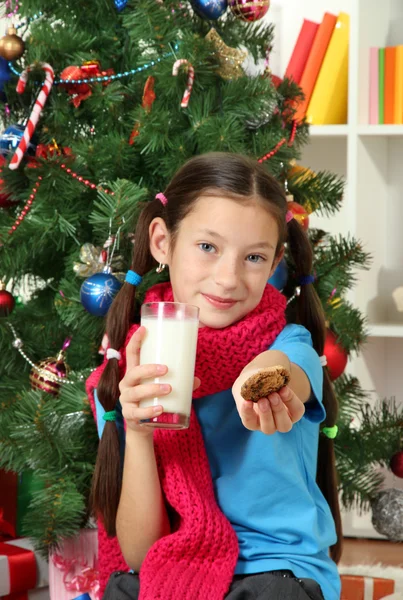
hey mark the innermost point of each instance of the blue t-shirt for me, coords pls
(266, 484)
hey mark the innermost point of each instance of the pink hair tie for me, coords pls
(162, 198)
(289, 216)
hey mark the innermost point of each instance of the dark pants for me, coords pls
(275, 585)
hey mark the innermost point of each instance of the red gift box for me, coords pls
(18, 572)
(8, 505)
(356, 587)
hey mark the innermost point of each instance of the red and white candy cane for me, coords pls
(36, 111)
(191, 76)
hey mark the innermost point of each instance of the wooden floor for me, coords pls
(363, 551)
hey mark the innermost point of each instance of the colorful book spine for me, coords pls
(381, 86)
(315, 60)
(373, 86)
(301, 50)
(328, 104)
(398, 104)
(389, 87)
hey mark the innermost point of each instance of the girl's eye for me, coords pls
(255, 258)
(206, 247)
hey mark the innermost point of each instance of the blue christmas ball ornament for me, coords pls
(120, 4)
(97, 293)
(209, 9)
(280, 275)
(10, 138)
(5, 72)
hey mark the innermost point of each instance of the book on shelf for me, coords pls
(301, 50)
(373, 85)
(315, 60)
(389, 90)
(381, 83)
(398, 105)
(328, 104)
(386, 85)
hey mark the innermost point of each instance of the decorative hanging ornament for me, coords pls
(209, 9)
(36, 111)
(299, 212)
(396, 464)
(387, 514)
(10, 139)
(336, 356)
(93, 260)
(280, 276)
(229, 59)
(12, 47)
(5, 73)
(249, 10)
(190, 80)
(7, 301)
(98, 291)
(120, 4)
(148, 99)
(71, 77)
(49, 373)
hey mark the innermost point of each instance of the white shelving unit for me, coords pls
(369, 157)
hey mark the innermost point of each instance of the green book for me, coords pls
(381, 86)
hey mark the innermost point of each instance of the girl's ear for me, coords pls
(278, 258)
(159, 240)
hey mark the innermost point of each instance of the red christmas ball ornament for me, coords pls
(249, 10)
(300, 214)
(7, 301)
(336, 356)
(396, 464)
(48, 373)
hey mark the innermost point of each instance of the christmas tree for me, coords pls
(129, 92)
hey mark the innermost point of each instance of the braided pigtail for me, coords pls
(107, 479)
(310, 314)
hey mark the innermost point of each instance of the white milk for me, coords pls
(172, 343)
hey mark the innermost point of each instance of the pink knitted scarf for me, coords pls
(196, 561)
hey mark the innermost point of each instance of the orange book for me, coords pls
(390, 74)
(398, 104)
(315, 60)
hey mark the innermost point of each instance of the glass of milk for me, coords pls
(171, 340)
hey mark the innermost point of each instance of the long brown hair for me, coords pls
(241, 179)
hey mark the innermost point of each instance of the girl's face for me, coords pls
(223, 256)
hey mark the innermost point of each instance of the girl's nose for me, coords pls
(227, 274)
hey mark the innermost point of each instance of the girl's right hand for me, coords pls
(132, 391)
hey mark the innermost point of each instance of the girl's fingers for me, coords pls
(135, 414)
(266, 417)
(133, 348)
(196, 383)
(295, 407)
(248, 415)
(281, 417)
(145, 391)
(135, 375)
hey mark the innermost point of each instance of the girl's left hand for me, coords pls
(278, 412)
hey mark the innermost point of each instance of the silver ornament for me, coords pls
(17, 343)
(387, 514)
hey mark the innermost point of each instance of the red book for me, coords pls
(301, 50)
(315, 60)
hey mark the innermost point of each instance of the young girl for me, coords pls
(236, 506)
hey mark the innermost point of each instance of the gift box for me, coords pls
(17, 493)
(357, 587)
(73, 567)
(22, 570)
